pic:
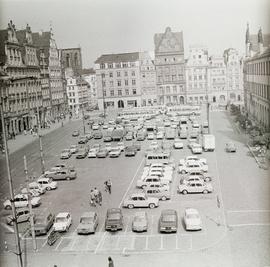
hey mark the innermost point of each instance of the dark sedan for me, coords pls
(81, 154)
(43, 223)
(102, 153)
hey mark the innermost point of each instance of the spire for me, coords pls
(247, 34)
(260, 37)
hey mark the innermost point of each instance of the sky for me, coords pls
(119, 26)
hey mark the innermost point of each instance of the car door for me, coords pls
(192, 187)
(142, 201)
(199, 187)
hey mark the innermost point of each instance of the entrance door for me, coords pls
(120, 103)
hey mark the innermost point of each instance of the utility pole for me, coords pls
(30, 205)
(11, 192)
(208, 116)
(104, 104)
(41, 154)
(83, 120)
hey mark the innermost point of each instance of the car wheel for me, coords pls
(8, 207)
(205, 191)
(163, 198)
(68, 178)
(183, 171)
(152, 205)
(130, 206)
(184, 192)
(48, 188)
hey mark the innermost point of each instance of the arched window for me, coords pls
(68, 60)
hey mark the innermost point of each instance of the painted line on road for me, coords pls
(126, 228)
(146, 243)
(56, 248)
(152, 223)
(242, 211)
(44, 243)
(161, 243)
(131, 182)
(249, 224)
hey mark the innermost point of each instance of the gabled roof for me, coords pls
(41, 40)
(117, 58)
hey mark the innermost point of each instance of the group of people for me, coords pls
(96, 195)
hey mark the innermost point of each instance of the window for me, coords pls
(132, 64)
(111, 83)
(126, 73)
(104, 92)
(118, 74)
(104, 83)
(125, 65)
(119, 92)
(118, 65)
(110, 65)
(168, 89)
(174, 89)
(112, 93)
(133, 82)
(134, 91)
(111, 75)
(133, 73)
(118, 82)
(126, 82)
(102, 66)
(126, 91)
(173, 77)
(102, 75)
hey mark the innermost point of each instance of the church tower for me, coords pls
(247, 42)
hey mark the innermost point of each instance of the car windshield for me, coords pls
(192, 216)
(73, 146)
(39, 220)
(114, 216)
(86, 220)
(65, 151)
(139, 219)
(168, 218)
(60, 220)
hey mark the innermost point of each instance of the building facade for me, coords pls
(21, 96)
(257, 79)
(170, 67)
(197, 76)
(72, 59)
(118, 80)
(148, 80)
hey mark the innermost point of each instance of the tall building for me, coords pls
(47, 45)
(256, 78)
(21, 97)
(197, 74)
(170, 67)
(234, 70)
(118, 80)
(72, 60)
(148, 80)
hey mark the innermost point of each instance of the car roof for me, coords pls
(140, 214)
(137, 195)
(191, 211)
(88, 214)
(62, 214)
(168, 211)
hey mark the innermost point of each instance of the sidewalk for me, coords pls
(23, 140)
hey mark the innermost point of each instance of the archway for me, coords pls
(120, 103)
(239, 98)
(222, 98)
(181, 100)
(214, 99)
(232, 96)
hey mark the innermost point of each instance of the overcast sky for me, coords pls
(115, 26)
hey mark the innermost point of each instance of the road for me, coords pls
(242, 189)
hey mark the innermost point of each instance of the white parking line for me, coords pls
(133, 243)
(44, 243)
(146, 243)
(56, 248)
(117, 242)
(131, 182)
(126, 228)
(249, 224)
(161, 243)
(191, 244)
(236, 211)
(152, 222)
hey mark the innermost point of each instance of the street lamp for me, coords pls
(10, 183)
(103, 96)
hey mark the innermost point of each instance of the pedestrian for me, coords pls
(110, 262)
(109, 186)
(96, 192)
(100, 198)
(92, 198)
(25, 133)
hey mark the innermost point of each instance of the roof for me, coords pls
(62, 214)
(258, 55)
(42, 39)
(254, 41)
(87, 71)
(117, 58)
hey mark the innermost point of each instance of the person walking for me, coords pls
(110, 262)
(96, 192)
(92, 198)
(99, 198)
(109, 186)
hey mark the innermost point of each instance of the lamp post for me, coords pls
(10, 183)
(103, 97)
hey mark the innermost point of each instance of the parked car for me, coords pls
(114, 219)
(32, 192)
(82, 153)
(48, 183)
(129, 136)
(168, 221)
(88, 223)
(108, 146)
(83, 140)
(196, 149)
(178, 144)
(140, 222)
(115, 152)
(121, 146)
(22, 215)
(140, 200)
(65, 154)
(160, 186)
(60, 166)
(95, 126)
(137, 145)
(193, 158)
(43, 223)
(97, 135)
(102, 153)
(21, 201)
(130, 151)
(150, 180)
(75, 133)
(92, 153)
(155, 192)
(195, 187)
(230, 147)
(36, 186)
(73, 149)
(62, 222)
(192, 219)
(64, 174)
(150, 136)
(190, 166)
(160, 135)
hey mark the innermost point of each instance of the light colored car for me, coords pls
(129, 136)
(150, 136)
(130, 151)
(154, 145)
(65, 154)
(92, 153)
(96, 146)
(21, 201)
(102, 153)
(121, 145)
(195, 187)
(149, 180)
(196, 149)
(160, 186)
(75, 133)
(195, 125)
(22, 215)
(160, 135)
(193, 158)
(105, 126)
(193, 133)
(230, 147)
(48, 183)
(192, 219)
(155, 192)
(95, 126)
(64, 174)
(36, 186)
(178, 144)
(191, 166)
(140, 200)
(62, 222)
(168, 221)
(191, 179)
(88, 223)
(60, 166)
(191, 142)
(115, 152)
(73, 149)
(140, 222)
(33, 192)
